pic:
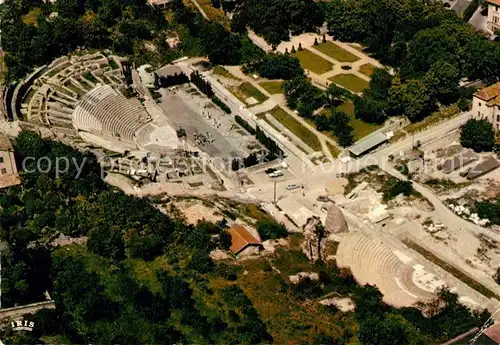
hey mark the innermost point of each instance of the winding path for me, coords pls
(280, 100)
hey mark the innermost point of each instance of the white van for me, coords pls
(276, 173)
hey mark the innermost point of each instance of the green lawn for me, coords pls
(313, 62)
(273, 87)
(304, 134)
(219, 70)
(361, 128)
(367, 69)
(247, 90)
(333, 150)
(336, 52)
(350, 81)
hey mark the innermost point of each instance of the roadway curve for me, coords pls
(447, 216)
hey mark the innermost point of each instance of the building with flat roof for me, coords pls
(367, 144)
(8, 170)
(242, 241)
(486, 104)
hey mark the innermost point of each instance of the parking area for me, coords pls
(212, 130)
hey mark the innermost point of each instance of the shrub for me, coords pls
(270, 229)
(244, 124)
(394, 187)
(221, 104)
(227, 271)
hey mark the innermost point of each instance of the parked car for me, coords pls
(270, 170)
(292, 186)
(276, 173)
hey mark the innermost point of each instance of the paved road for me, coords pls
(317, 179)
(450, 219)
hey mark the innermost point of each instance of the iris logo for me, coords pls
(22, 325)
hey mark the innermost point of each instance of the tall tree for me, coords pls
(478, 135)
(336, 95)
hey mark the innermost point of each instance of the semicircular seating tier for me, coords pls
(372, 262)
(51, 93)
(105, 111)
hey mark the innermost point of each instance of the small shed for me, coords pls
(242, 241)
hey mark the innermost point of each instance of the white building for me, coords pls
(486, 105)
(493, 20)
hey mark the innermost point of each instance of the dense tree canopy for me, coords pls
(276, 19)
(430, 48)
(478, 135)
(98, 295)
(122, 26)
(277, 66)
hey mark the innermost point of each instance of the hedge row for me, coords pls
(221, 104)
(244, 124)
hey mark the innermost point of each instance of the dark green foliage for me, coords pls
(98, 296)
(244, 124)
(411, 99)
(488, 210)
(107, 242)
(464, 104)
(223, 47)
(270, 229)
(181, 133)
(302, 95)
(171, 80)
(216, 3)
(342, 129)
(393, 187)
(274, 149)
(496, 276)
(221, 104)
(446, 317)
(380, 83)
(276, 18)
(228, 272)
(429, 47)
(203, 85)
(478, 135)
(24, 275)
(370, 110)
(277, 66)
(124, 27)
(323, 122)
(120, 26)
(336, 95)
(307, 288)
